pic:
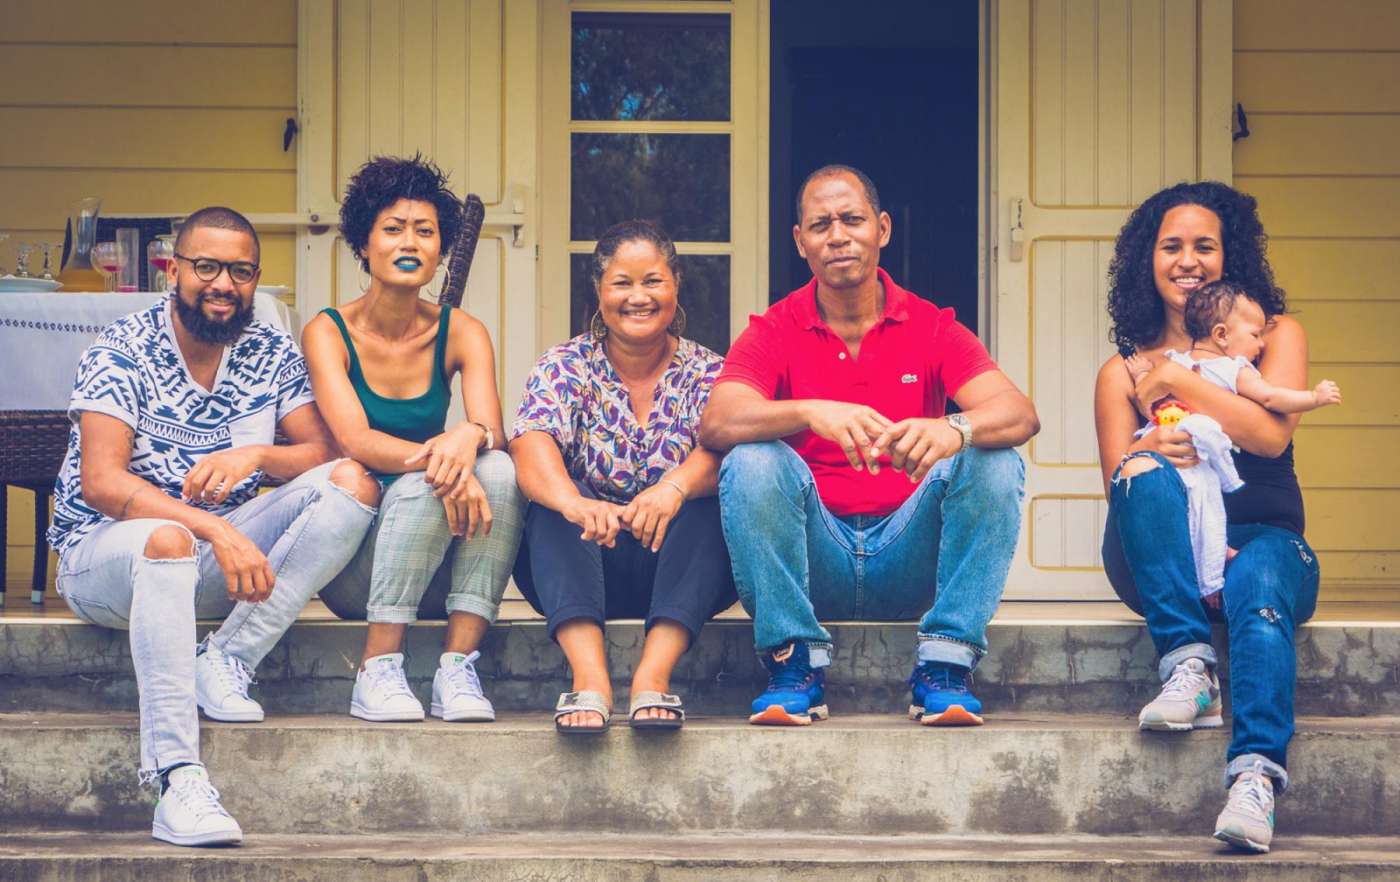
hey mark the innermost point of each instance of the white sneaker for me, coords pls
(1189, 700)
(381, 692)
(221, 687)
(457, 695)
(1247, 820)
(189, 812)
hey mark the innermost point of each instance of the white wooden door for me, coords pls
(456, 81)
(1097, 105)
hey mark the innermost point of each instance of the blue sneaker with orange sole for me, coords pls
(941, 696)
(795, 695)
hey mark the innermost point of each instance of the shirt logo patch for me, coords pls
(909, 378)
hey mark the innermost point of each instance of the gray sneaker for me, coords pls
(1247, 821)
(1190, 699)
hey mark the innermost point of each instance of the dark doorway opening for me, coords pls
(889, 87)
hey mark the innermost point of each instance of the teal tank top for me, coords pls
(413, 419)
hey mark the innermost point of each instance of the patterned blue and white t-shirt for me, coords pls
(134, 372)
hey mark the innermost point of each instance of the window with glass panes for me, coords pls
(650, 135)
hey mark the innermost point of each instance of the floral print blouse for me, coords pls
(574, 396)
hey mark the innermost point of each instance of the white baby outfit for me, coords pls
(1214, 476)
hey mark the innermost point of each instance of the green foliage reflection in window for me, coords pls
(630, 66)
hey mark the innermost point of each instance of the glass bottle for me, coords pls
(77, 273)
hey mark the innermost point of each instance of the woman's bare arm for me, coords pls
(540, 471)
(698, 474)
(1116, 421)
(471, 353)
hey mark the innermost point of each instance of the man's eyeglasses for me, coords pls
(207, 269)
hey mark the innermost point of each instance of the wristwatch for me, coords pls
(964, 427)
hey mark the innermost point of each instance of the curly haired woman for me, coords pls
(449, 522)
(1175, 242)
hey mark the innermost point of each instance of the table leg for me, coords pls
(4, 539)
(41, 546)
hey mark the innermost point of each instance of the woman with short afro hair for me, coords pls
(449, 522)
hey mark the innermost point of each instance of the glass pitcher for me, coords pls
(78, 239)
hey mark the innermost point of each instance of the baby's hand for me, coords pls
(1327, 393)
(1138, 367)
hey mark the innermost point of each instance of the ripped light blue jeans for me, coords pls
(940, 558)
(1270, 588)
(307, 528)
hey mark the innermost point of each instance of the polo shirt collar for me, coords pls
(896, 302)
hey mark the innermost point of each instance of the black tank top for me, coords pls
(1270, 494)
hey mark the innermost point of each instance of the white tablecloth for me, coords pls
(42, 336)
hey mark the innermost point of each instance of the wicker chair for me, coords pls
(32, 444)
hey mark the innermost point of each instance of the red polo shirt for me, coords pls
(910, 363)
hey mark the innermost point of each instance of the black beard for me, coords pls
(207, 330)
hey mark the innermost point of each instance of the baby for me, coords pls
(1226, 326)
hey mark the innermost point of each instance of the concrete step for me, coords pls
(1034, 664)
(855, 774)
(70, 857)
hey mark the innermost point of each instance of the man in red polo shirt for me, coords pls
(846, 492)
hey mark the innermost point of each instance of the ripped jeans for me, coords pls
(1270, 589)
(308, 529)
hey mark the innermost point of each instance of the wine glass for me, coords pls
(48, 259)
(22, 252)
(108, 258)
(159, 253)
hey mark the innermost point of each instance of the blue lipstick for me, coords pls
(408, 264)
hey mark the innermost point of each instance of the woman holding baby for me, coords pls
(1177, 241)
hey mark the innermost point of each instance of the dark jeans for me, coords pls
(1270, 588)
(688, 581)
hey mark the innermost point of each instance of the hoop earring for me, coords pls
(677, 325)
(364, 285)
(596, 326)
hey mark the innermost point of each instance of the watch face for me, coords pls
(963, 425)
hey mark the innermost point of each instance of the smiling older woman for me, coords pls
(449, 522)
(604, 443)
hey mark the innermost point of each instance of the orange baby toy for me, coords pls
(1168, 412)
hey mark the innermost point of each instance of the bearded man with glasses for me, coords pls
(157, 517)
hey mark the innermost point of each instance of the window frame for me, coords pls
(747, 129)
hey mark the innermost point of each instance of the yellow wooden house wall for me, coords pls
(154, 105)
(1320, 83)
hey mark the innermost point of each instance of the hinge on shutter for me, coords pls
(1243, 130)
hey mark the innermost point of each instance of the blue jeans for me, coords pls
(1270, 588)
(795, 563)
